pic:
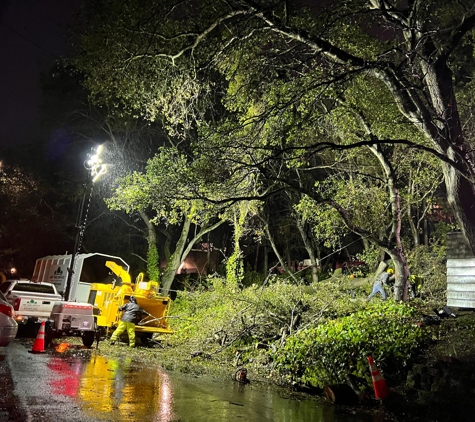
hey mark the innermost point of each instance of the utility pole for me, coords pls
(95, 169)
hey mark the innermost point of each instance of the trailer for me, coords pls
(71, 319)
(89, 268)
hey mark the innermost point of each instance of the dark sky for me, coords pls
(33, 34)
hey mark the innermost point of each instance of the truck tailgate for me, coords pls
(30, 299)
(31, 305)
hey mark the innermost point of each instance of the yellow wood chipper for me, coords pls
(108, 298)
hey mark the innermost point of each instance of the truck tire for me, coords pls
(88, 338)
(49, 335)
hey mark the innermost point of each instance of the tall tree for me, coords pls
(164, 190)
(32, 201)
(146, 58)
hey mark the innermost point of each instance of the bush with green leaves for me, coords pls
(312, 334)
(254, 314)
(371, 256)
(429, 271)
(326, 353)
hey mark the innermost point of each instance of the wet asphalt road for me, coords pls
(10, 409)
(27, 389)
(72, 383)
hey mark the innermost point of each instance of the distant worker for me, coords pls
(132, 315)
(378, 286)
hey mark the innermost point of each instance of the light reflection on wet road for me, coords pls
(79, 387)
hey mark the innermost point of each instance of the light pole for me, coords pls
(96, 168)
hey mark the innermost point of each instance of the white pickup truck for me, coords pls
(32, 301)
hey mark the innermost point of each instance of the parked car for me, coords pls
(8, 325)
(32, 301)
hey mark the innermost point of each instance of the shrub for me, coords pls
(312, 334)
(327, 352)
(428, 267)
(254, 314)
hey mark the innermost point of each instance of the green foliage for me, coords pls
(235, 267)
(235, 264)
(252, 277)
(310, 334)
(438, 238)
(327, 224)
(428, 266)
(254, 111)
(371, 256)
(364, 201)
(226, 308)
(164, 186)
(261, 99)
(364, 96)
(204, 313)
(153, 262)
(325, 353)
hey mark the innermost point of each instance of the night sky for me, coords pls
(33, 34)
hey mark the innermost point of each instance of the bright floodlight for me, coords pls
(95, 164)
(99, 171)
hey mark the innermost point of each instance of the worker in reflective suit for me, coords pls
(132, 315)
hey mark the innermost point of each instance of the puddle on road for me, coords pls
(122, 390)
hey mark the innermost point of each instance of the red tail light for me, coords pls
(16, 305)
(7, 310)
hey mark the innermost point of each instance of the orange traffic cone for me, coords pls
(381, 390)
(39, 344)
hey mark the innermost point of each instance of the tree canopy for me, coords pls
(271, 96)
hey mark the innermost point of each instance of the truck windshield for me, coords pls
(34, 287)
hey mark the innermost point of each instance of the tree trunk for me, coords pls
(309, 248)
(288, 258)
(413, 226)
(183, 248)
(266, 258)
(208, 254)
(166, 244)
(396, 252)
(381, 267)
(175, 259)
(187, 247)
(256, 260)
(399, 273)
(277, 253)
(460, 195)
(153, 258)
(426, 228)
(400, 263)
(449, 139)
